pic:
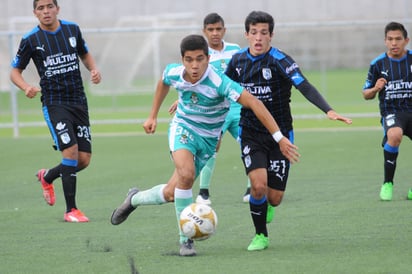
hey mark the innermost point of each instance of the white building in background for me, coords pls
(100, 13)
(319, 34)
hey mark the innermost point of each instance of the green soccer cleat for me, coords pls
(409, 194)
(270, 214)
(386, 191)
(259, 242)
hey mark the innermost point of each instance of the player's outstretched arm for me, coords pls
(161, 92)
(313, 96)
(289, 150)
(332, 115)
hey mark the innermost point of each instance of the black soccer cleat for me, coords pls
(121, 213)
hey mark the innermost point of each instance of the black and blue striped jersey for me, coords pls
(270, 78)
(397, 94)
(56, 57)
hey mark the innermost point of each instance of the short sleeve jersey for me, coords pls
(269, 77)
(397, 94)
(202, 106)
(56, 57)
(220, 59)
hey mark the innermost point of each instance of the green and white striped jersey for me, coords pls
(220, 58)
(202, 106)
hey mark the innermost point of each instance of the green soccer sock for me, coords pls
(152, 196)
(207, 172)
(183, 198)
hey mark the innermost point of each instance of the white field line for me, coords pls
(167, 120)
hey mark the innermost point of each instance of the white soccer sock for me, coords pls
(152, 196)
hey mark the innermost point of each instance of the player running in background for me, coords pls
(268, 74)
(195, 129)
(390, 76)
(54, 46)
(220, 53)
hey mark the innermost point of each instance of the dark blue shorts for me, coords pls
(69, 125)
(401, 119)
(259, 150)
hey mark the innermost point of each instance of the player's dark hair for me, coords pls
(35, 3)
(194, 42)
(213, 18)
(256, 17)
(396, 26)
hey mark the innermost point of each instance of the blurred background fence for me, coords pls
(133, 42)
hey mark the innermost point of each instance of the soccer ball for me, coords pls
(198, 221)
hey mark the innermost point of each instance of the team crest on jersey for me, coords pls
(267, 73)
(194, 98)
(73, 42)
(223, 65)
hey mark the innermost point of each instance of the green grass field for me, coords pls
(331, 220)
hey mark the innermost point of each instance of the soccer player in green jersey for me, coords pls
(203, 95)
(220, 52)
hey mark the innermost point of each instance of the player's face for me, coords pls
(396, 43)
(46, 11)
(259, 38)
(195, 63)
(214, 34)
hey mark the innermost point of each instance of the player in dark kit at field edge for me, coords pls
(268, 74)
(55, 47)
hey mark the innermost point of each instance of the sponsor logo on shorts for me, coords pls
(60, 126)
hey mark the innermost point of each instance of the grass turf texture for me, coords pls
(331, 220)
